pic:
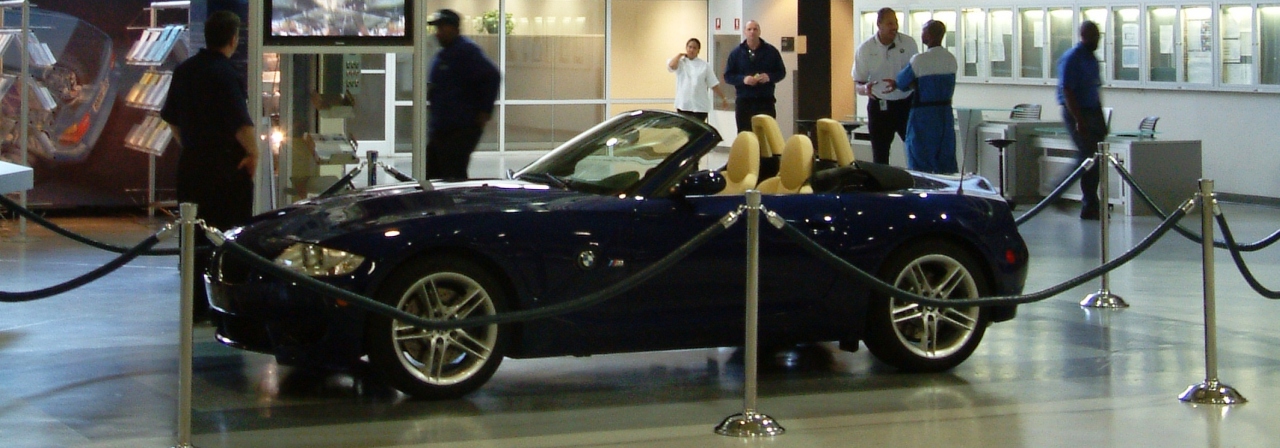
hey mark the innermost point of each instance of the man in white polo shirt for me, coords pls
(882, 57)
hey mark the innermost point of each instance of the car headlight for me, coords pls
(317, 261)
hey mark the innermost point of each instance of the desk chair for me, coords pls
(1147, 128)
(1000, 144)
(1025, 112)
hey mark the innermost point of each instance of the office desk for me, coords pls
(15, 178)
(1168, 170)
(1021, 170)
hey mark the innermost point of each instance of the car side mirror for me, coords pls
(701, 183)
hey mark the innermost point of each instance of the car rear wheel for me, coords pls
(438, 363)
(917, 338)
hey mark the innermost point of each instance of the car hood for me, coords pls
(317, 220)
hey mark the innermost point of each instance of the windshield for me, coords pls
(615, 155)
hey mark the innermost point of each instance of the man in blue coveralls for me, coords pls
(931, 136)
(1081, 102)
(461, 90)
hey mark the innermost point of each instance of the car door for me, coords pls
(700, 301)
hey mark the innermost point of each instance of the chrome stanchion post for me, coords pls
(1103, 298)
(750, 423)
(373, 167)
(187, 257)
(1210, 391)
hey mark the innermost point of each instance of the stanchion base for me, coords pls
(1103, 299)
(1212, 392)
(749, 425)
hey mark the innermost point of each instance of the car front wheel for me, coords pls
(918, 338)
(438, 363)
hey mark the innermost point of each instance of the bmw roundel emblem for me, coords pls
(586, 259)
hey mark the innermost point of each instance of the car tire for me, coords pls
(438, 364)
(916, 338)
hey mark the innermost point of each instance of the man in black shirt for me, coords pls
(754, 68)
(206, 108)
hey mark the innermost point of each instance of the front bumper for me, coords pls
(264, 314)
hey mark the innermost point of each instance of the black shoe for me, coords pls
(1089, 214)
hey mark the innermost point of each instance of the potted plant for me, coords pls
(489, 22)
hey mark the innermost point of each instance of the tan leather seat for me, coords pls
(766, 129)
(833, 143)
(797, 166)
(743, 170)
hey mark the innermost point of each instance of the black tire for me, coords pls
(446, 363)
(916, 338)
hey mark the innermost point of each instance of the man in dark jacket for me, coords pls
(462, 88)
(207, 111)
(754, 68)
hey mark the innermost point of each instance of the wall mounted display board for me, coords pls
(1195, 46)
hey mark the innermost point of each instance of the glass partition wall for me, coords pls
(566, 65)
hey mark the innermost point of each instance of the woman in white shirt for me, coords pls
(693, 78)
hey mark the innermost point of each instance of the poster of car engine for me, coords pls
(97, 78)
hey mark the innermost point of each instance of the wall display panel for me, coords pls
(544, 126)
(973, 35)
(1062, 36)
(555, 49)
(1161, 43)
(1099, 16)
(1235, 31)
(1269, 44)
(1197, 45)
(1000, 49)
(364, 23)
(1126, 43)
(947, 17)
(1032, 42)
(370, 122)
(866, 27)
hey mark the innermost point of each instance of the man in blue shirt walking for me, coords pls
(462, 88)
(1082, 110)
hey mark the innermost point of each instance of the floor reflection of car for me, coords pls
(71, 99)
(590, 214)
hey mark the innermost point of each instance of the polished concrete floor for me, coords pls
(97, 367)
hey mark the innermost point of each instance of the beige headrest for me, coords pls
(744, 157)
(797, 163)
(766, 128)
(833, 142)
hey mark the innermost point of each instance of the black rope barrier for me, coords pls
(344, 182)
(1239, 259)
(583, 302)
(1191, 234)
(1057, 192)
(13, 206)
(880, 286)
(97, 273)
(400, 176)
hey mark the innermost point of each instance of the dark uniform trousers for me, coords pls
(449, 152)
(883, 124)
(1095, 131)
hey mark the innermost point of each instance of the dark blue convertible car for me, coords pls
(590, 214)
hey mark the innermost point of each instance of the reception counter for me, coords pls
(15, 178)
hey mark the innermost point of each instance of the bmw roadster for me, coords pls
(589, 214)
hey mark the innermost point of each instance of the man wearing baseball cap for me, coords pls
(461, 89)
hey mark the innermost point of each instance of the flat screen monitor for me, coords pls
(338, 22)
